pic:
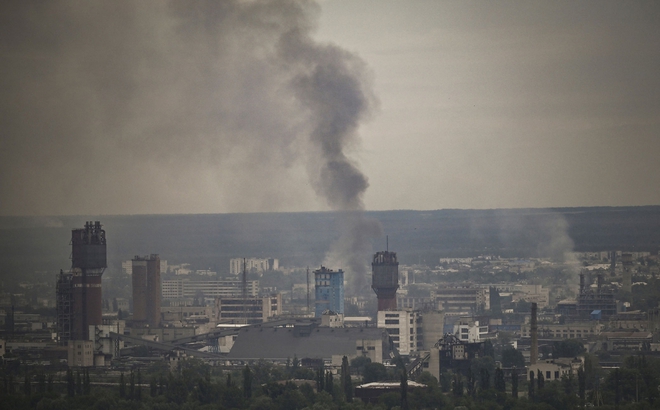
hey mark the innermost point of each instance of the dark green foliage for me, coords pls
(86, 383)
(404, 390)
(41, 383)
(457, 385)
(500, 384)
(374, 372)
(489, 349)
(581, 384)
(138, 387)
(329, 383)
(346, 382)
(27, 385)
(247, 382)
(484, 379)
(445, 381)
(540, 380)
(530, 386)
(567, 348)
(122, 386)
(514, 383)
(70, 383)
(512, 357)
(79, 384)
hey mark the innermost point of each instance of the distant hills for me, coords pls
(299, 239)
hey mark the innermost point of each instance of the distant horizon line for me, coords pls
(554, 208)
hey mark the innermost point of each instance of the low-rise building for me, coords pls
(80, 353)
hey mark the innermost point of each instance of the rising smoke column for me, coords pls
(333, 88)
(158, 106)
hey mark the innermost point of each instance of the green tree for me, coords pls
(70, 383)
(489, 349)
(79, 386)
(27, 385)
(567, 348)
(86, 383)
(247, 382)
(500, 384)
(540, 379)
(457, 385)
(346, 382)
(374, 372)
(404, 390)
(530, 386)
(514, 383)
(122, 386)
(512, 357)
(138, 391)
(582, 384)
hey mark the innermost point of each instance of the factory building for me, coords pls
(385, 279)
(461, 299)
(595, 302)
(249, 310)
(146, 290)
(79, 299)
(329, 289)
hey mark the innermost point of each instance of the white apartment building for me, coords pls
(404, 328)
(185, 288)
(469, 330)
(253, 265)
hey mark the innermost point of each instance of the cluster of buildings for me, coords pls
(235, 321)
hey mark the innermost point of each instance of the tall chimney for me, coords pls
(534, 350)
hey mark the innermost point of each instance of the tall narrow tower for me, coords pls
(385, 279)
(146, 290)
(88, 261)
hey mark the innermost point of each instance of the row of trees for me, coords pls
(260, 386)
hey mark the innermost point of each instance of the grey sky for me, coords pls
(150, 107)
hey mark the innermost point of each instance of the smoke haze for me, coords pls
(150, 107)
(165, 105)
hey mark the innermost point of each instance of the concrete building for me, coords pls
(550, 369)
(310, 341)
(468, 330)
(329, 291)
(250, 310)
(599, 298)
(146, 290)
(208, 289)
(255, 265)
(576, 330)
(464, 299)
(385, 279)
(80, 353)
(404, 328)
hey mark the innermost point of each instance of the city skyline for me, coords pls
(141, 108)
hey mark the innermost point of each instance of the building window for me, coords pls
(391, 321)
(556, 375)
(547, 375)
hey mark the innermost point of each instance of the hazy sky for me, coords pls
(152, 107)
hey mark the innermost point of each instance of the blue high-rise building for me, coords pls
(329, 291)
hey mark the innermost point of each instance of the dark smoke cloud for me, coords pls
(167, 107)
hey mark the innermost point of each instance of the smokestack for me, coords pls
(534, 350)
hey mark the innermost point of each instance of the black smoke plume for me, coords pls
(180, 107)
